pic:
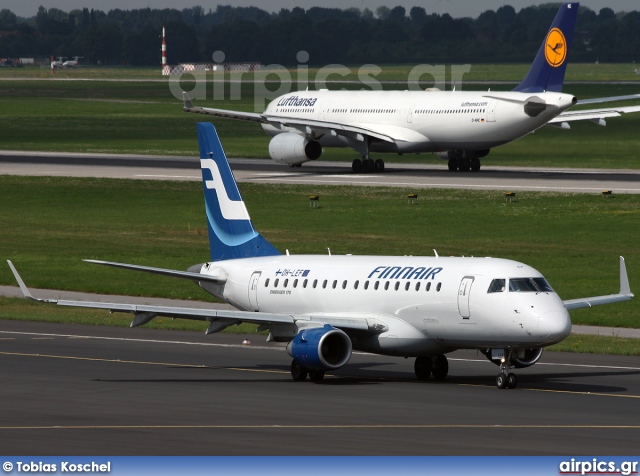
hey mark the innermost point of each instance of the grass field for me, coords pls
(52, 224)
(49, 224)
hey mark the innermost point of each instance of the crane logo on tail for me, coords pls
(556, 48)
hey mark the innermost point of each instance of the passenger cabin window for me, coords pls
(344, 284)
(304, 283)
(355, 285)
(324, 284)
(375, 286)
(295, 283)
(286, 282)
(366, 285)
(315, 283)
(275, 283)
(266, 283)
(529, 285)
(496, 286)
(438, 287)
(335, 283)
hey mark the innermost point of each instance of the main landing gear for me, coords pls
(464, 164)
(300, 372)
(427, 365)
(504, 378)
(367, 165)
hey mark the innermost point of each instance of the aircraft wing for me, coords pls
(218, 318)
(308, 127)
(625, 293)
(593, 114)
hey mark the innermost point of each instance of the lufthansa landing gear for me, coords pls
(367, 165)
(428, 365)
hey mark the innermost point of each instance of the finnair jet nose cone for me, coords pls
(555, 326)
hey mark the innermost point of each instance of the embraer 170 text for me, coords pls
(325, 306)
(461, 126)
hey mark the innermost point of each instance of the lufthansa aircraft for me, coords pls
(326, 306)
(461, 126)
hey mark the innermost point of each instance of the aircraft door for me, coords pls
(324, 110)
(491, 111)
(410, 113)
(253, 290)
(464, 293)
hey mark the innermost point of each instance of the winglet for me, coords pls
(187, 101)
(624, 279)
(23, 287)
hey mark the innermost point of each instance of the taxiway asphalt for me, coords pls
(84, 390)
(408, 176)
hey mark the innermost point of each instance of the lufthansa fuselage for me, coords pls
(426, 121)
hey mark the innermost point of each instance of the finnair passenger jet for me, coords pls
(461, 126)
(325, 306)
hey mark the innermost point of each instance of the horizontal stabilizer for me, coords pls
(165, 272)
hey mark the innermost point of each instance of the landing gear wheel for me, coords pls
(512, 381)
(501, 381)
(356, 166)
(464, 165)
(379, 166)
(423, 367)
(298, 371)
(475, 164)
(316, 375)
(440, 367)
(453, 164)
(368, 166)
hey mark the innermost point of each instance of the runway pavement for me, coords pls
(83, 390)
(409, 176)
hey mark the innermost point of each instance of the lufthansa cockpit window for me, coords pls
(497, 286)
(529, 285)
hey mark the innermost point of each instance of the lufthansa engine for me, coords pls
(321, 348)
(293, 149)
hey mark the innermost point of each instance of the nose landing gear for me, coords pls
(504, 378)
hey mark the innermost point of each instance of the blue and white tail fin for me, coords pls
(547, 70)
(231, 234)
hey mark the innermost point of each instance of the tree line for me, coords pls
(329, 35)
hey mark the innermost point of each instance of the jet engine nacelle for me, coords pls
(523, 357)
(321, 348)
(293, 149)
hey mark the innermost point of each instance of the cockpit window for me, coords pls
(529, 285)
(497, 286)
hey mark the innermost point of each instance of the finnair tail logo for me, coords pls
(230, 209)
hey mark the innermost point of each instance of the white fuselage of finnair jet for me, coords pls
(425, 121)
(425, 304)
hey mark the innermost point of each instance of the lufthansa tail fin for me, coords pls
(547, 70)
(231, 233)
